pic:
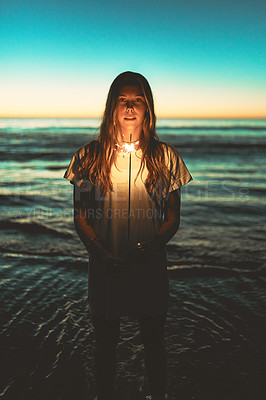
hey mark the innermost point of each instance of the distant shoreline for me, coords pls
(261, 118)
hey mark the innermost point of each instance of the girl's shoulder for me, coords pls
(170, 153)
(87, 149)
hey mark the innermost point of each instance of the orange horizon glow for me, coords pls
(198, 101)
(159, 116)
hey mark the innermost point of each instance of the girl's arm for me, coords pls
(83, 228)
(166, 231)
(87, 235)
(172, 218)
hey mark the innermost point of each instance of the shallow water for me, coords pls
(216, 321)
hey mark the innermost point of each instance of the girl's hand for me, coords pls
(145, 249)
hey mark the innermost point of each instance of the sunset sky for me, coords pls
(203, 58)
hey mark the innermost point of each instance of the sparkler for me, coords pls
(131, 145)
(122, 151)
(126, 147)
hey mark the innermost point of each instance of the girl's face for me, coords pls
(131, 109)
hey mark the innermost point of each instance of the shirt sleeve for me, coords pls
(75, 172)
(179, 174)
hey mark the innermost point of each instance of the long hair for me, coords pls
(101, 155)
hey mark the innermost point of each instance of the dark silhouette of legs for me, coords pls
(107, 336)
(152, 334)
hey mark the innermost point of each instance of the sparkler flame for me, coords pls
(126, 148)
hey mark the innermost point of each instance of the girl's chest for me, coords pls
(125, 172)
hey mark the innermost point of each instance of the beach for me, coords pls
(216, 263)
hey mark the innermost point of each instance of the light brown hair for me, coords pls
(101, 154)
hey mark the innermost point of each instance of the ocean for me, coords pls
(215, 331)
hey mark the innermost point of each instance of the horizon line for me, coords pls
(100, 117)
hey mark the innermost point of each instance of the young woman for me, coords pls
(127, 207)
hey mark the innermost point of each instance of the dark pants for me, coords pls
(107, 337)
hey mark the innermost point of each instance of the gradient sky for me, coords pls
(203, 58)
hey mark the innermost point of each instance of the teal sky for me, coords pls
(202, 58)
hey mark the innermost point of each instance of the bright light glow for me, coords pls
(126, 148)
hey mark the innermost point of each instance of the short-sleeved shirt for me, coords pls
(121, 218)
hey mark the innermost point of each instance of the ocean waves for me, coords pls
(221, 211)
(31, 228)
(216, 267)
